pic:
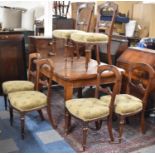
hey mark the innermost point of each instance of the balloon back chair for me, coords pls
(89, 110)
(140, 77)
(34, 100)
(20, 85)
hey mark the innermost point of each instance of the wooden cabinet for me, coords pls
(40, 44)
(12, 58)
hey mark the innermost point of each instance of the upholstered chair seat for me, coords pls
(89, 37)
(87, 109)
(64, 34)
(22, 85)
(124, 103)
(27, 100)
(14, 86)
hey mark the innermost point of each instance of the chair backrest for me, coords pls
(117, 80)
(84, 17)
(106, 14)
(45, 65)
(32, 66)
(140, 77)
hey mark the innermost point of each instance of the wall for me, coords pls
(144, 14)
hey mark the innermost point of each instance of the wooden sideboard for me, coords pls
(40, 44)
(12, 57)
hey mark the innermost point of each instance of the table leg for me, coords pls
(68, 92)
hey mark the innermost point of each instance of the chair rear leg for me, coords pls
(22, 120)
(5, 101)
(41, 115)
(143, 122)
(109, 124)
(11, 115)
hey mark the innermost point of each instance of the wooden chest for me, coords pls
(135, 54)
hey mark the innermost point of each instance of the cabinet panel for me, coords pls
(12, 58)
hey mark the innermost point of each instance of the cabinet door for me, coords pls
(12, 58)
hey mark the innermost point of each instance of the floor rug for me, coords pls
(99, 142)
(40, 137)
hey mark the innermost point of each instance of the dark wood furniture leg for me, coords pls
(22, 120)
(5, 101)
(85, 134)
(41, 115)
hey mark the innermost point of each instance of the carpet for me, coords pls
(99, 142)
(40, 137)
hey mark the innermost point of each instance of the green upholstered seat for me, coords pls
(64, 34)
(27, 100)
(87, 109)
(124, 103)
(14, 86)
(89, 37)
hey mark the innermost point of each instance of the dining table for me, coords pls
(72, 73)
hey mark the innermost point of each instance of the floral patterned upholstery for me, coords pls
(64, 34)
(27, 100)
(13, 86)
(87, 109)
(124, 103)
(89, 37)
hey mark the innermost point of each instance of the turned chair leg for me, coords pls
(97, 54)
(11, 115)
(5, 101)
(41, 115)
(67, 122)
(121, 125)
(109, 124)
(143, 122)
(49, 112)
(22, 120)
(85, 133)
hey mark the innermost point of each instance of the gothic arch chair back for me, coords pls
(84, 17)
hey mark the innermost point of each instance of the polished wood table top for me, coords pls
(73, 74)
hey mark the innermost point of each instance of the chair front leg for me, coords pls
(121, 126)
(85, 133)
(22, 120)
(67, 121)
